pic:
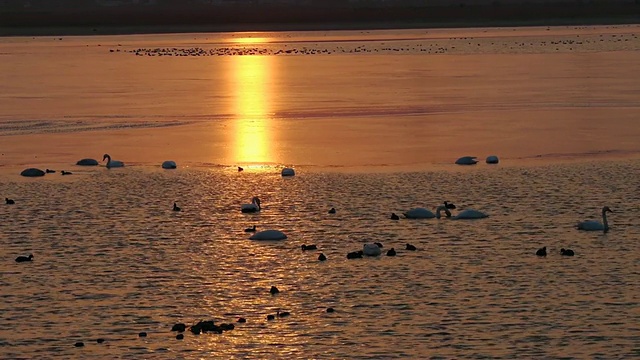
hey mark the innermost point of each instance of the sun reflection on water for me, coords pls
(252, 107)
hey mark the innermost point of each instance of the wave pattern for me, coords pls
(112, 259)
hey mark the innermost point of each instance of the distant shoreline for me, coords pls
(175, 29)
(146, 20)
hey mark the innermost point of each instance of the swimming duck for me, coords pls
(411, 247)
(394, 216)
(24, 258)
(176, 207)
(542, 251)
(309, 247)
(332, 211)
(566, 252)
(9, 201)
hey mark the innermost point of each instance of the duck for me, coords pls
(355, 255)
(594, 225)
(449, 205)
(49, 171)
(282, 314)
(112, 163)
(253, 207)
(332, 211)
(394, 216)
(271, 317)
(251, 229)
(9, 201)
(391, 252)
(240, 168)
(542, 251)
(322, 257)
(176, 207)
(566, 252)
(66, 172)
(274, 290)
(309, 247)
(410, 247)
(22, 258)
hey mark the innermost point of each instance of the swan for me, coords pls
(594, 225)
(112, 163)
(422, 213)
(492, 159)
(268, 235)
(542, 251)
(288, 172)
(253, 207)
(169, 164)
(470, 214)
(371, 250)
(24, 258)
(87, 162)
(32, 172)
(467, 160)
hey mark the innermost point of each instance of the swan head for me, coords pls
(606, 209)
(106, 156)
(256, 201)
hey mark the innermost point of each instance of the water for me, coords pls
(112, 259)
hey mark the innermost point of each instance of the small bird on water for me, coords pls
(542, 251)
(9, 201)
(24, 258)
(176, 207)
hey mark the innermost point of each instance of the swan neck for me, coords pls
(604, 221)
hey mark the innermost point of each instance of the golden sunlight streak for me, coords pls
(248, 40)
(252, 106)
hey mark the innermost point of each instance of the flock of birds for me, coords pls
(445, 46)
(368, 249)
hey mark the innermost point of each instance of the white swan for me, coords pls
(492, 159)
(288, 172)
(87, 162)
(169, 164)
(269, 235)
(594, 225)
(470, 214)
(112, 163)
(371, 250)
(422, 213)
(467, 160)
(253, 207)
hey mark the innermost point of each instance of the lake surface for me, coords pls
(372, 122)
